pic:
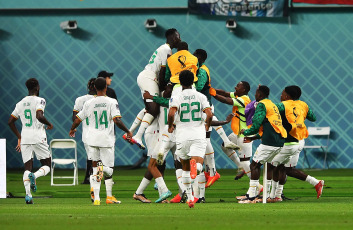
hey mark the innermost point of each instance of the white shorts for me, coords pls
(285, 154)
(89, 156)
(265, 153)
(147, 81)
(193, 148)
(105, 154)
(246, 148)
(41, 150)
(165, 145)
(151, 140)
(293, 161)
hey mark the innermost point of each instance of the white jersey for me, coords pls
(163, 123)
(33, 131)
(79, 102)
(159, 59)
(100, 111)
(190, 105)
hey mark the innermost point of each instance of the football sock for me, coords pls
(187, 184)
(143, 185)
(179, 175)
(137, 120)
(209, 158)
(279, 191)
(201, 183)
(269, 182)
(312, 180)
(232, 155)
(195, 187)
(146, 121)
(273, 189)
(246, 166)
(96, 185)
(161, 185)
(107, 171)
(199, 168)
(44, 170)
(220, 131)
(27, 183)
(252, 188)
(109, 186)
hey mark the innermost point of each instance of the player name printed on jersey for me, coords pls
(190, 105)
(159, 59)
(100, 111)
(33, 131)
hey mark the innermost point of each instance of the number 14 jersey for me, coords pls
(100, 111)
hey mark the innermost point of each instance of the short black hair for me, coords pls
(90, 84)
(100, 83)
(186, 78)
(170, 32)
(32, 83)
(246, 86)
(299, 92)
(183, 46)
(200, 53)
(264, 90)
(291, 91)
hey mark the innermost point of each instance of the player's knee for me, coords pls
(108, 171)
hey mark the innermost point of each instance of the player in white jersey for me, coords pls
(79, 102)
(190, 129)
(102, 112)
(151, 79)
(33, 138)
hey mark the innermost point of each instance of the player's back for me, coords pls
(100, 111)
(190, 104)
(79, 102)
(159, 58)
(33, 131)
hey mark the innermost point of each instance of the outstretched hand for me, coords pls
(230, 117)
(72, 132)
(18, 147)
(50, 126)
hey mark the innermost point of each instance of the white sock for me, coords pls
(161, 184)
(279, 191)
(201, 183)
(146, 121)
(252, 188)
(137, 120)
(27, 183)
(96, 186)
(44, 170)
(220, 131)
(273, 189)
(246, 166)
(209, 158)
(143, 185)
(109, 186)
(179, 175)
(232, 155)
(195, 187)
(269, 183)
(199, 168)
(312, 180)
(107, 171)
(187, 184)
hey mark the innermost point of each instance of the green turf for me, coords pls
(71, 208)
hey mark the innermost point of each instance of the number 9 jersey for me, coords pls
(33, 131)
(100, 111)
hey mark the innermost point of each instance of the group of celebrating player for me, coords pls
(178, 117)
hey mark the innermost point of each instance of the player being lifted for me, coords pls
(33, 138)
(190, 129)
(79, 102)
(102, 112)
(152, 77)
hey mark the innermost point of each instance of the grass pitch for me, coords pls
(71, 208)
